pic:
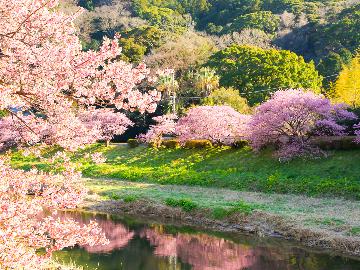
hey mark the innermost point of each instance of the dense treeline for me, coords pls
(216, 47)
(325, 31)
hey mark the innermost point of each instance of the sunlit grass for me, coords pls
(238, 169)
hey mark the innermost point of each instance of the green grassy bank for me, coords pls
(329, 215)
(238, 169)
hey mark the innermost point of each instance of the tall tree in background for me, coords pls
(206, 80)
(257, 72)
(188, 50)
(228, 97)
(347, 87)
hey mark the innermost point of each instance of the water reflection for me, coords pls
(202, 251)
(146, 247)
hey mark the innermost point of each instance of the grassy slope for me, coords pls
(337, 175)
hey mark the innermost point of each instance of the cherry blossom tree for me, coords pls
(108, 122)
(47, 82)
(165, 125)
(219, 124)
(44, 71)
(23, 227)
(291, 118)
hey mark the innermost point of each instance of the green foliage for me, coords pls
(131, 51)
(257, 72)
(262, 20)
(160, 16)
(149, 37)
(332, 222)
(93, 44)
(206, 80)
(241, 207)
(171, 143)
(224, 12)
(3, 113)
(114, 196)
(346, 89)
(341, 33)
(330, 66)
(198, 144)
(229, 97)
(133, 143)
(194, 7)
(221, 212)
(186, 204)
(88, 4)
(354, 231)
(130, 198)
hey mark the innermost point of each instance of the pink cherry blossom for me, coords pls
(219, 124)
(291, 118)
(45, 72)
(165, 125)
(47, 85)
(107, 122)
(98, 158)
(24, 228)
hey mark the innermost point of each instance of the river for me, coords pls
(135, 245)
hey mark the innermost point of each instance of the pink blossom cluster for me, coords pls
(98, 158)
(23, 226)
(357, 133)
(47, 83)
(290, 118)
(45, 72)
(68, 132)
(165, 125)
(219, 124)
(202, 252)
(107, 122)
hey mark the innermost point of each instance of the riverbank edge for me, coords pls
(258, 223)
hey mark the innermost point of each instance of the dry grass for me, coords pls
(322, 222)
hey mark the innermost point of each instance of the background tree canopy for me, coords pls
(254, 46)
(257, 72)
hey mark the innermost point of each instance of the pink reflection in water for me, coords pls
(202, 251)
(117, 234)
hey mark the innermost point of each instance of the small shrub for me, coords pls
(186, 204)
(336, 143)
(333, 222)
(243, 207)
(198, 144)
(240, 144)
(171, 202)
(115, 196)
(354, 231)
(130, 198)
(153, 145)
(221, 213)
(133, 143)
(237, 207)
(171, 143)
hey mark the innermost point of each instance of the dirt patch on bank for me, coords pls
(258, 222)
